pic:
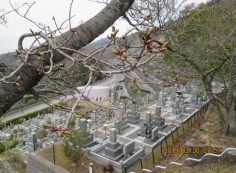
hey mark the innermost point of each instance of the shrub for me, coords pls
(2, 147)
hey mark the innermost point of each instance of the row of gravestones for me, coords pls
(114, 150)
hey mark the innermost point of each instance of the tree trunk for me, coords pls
(231, 99)
(214, 102)
(232, 119)
(10, 93)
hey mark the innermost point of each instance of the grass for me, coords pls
(208, 134)
(84, 107)
(63, 161)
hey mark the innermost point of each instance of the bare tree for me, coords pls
(200, 47)
(54, 53)
(37, 61)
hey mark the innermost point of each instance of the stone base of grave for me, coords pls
(133, 117)
(143, 133)
(114, 151)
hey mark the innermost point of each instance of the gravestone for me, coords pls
(93, 116)
(77, 123)
(133, 116)
(148, 117)
(188, 89)
(204, 97)
(199, 101)
(113, 135)
(83, 124)
(162, 99)
(173, 93)
(113, 149)
(129, 149)
(122, 122)
(34, 141)
(176, 109)
(147, 127)
(158, 121)
(193, 99)
(154, 134)
(184, 109)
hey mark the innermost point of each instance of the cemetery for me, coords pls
(138, 133)
(119, 137)
(27, 132)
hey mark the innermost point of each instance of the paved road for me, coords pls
(110, 82)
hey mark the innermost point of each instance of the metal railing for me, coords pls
(190, 159)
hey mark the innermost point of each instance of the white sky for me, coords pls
(43, 11)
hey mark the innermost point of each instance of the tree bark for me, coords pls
(208, 88)
(231, 99)
(232, 118)
(10, 93)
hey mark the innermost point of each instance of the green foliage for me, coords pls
(11, 144)
(71, 123)
(27, 116)
(198, 93)
(20, 120)
(42, 134)
(15, 159)
(135, 89)
(73, 144)
(205, 34)
(2, 123)
(31, 101)
(123, 97)
(172, 74)
(7, 145)
(2, 147)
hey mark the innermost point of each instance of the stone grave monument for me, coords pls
(158, 121)
(122, 122)
(129, 149)
(146, 129)
(113, 150)
(133, 116)
(176, 109)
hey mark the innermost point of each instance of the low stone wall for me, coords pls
(140, 153)
(118, 167)
(37, 164)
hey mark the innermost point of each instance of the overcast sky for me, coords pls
(43, 11)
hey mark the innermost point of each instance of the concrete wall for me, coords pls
(95, 93)
(37, 164)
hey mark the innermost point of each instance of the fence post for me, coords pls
(177, 132)
(53, 152)
(126, 169)
(172, 136)
(153, 158)
(91, 168)
(161, 148)
(166, 142)
(141, 162)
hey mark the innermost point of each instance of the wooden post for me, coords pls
(172, 136)
(141, 163)
(161, 148)
(53, 151)
(153, 158)
(166, 142)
